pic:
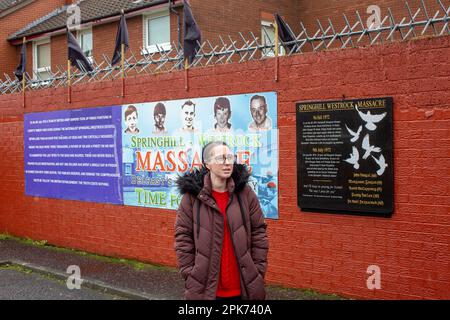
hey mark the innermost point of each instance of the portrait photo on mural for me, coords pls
(162, 140)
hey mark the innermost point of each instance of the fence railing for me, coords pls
(249, 47)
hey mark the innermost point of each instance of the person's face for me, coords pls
(131, 121)
(258, 109)
(220, 162)
(188, 115)
(159, 120)
(222, 116)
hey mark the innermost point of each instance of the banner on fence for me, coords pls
(132, 154)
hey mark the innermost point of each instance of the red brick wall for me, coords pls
(330, 253)
(105, 35)
(103, 42)
(217, 17)
(13, 22)
(58, 48)
(310, 10)
(214, 18)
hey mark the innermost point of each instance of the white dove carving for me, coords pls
(354, 158)
(355, 135)
(371, 119)
(369, 149)
(381, 163)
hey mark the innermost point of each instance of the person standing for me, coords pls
(220, 232)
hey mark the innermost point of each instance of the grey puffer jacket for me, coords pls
(199, 231)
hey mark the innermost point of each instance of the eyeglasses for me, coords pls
(224, 158)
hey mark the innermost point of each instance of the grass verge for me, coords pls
(137, 265)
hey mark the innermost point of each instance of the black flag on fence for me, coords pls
(20, 70)
(76, 55)
(285, 33)
(121, 38)
(192, 34)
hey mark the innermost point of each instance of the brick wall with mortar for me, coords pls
(218, 17)
(325, 252)
(213, 17)
(311, 10)
(103, 43)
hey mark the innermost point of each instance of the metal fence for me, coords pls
(251, 47)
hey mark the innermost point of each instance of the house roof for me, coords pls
(6, 4)
(91, 10)
(11, 5)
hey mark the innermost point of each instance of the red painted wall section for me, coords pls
(329, 253)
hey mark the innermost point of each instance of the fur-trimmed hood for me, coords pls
(193, 182)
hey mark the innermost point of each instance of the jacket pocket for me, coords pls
(256, 289)
(253, 280)
(185, 274)
(201, 267)
(248, 268)
(193, 289)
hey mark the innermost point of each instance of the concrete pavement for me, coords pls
(25, 265)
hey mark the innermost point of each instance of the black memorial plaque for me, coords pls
(344, 156)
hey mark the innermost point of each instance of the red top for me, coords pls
(229, 277)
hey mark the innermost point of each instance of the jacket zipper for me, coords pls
(234, 247)
(223, 235)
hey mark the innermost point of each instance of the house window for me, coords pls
(268, 38)
(157, 32)
(42, 59)
(85, 41)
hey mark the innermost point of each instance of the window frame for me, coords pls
(37, 70)
(165, 46)
(271, 54)
(79, 39)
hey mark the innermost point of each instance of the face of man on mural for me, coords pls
(131, 121)
(220, 161)
(188, 116)
(258, 109)
(222, 117)
(160, 118)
